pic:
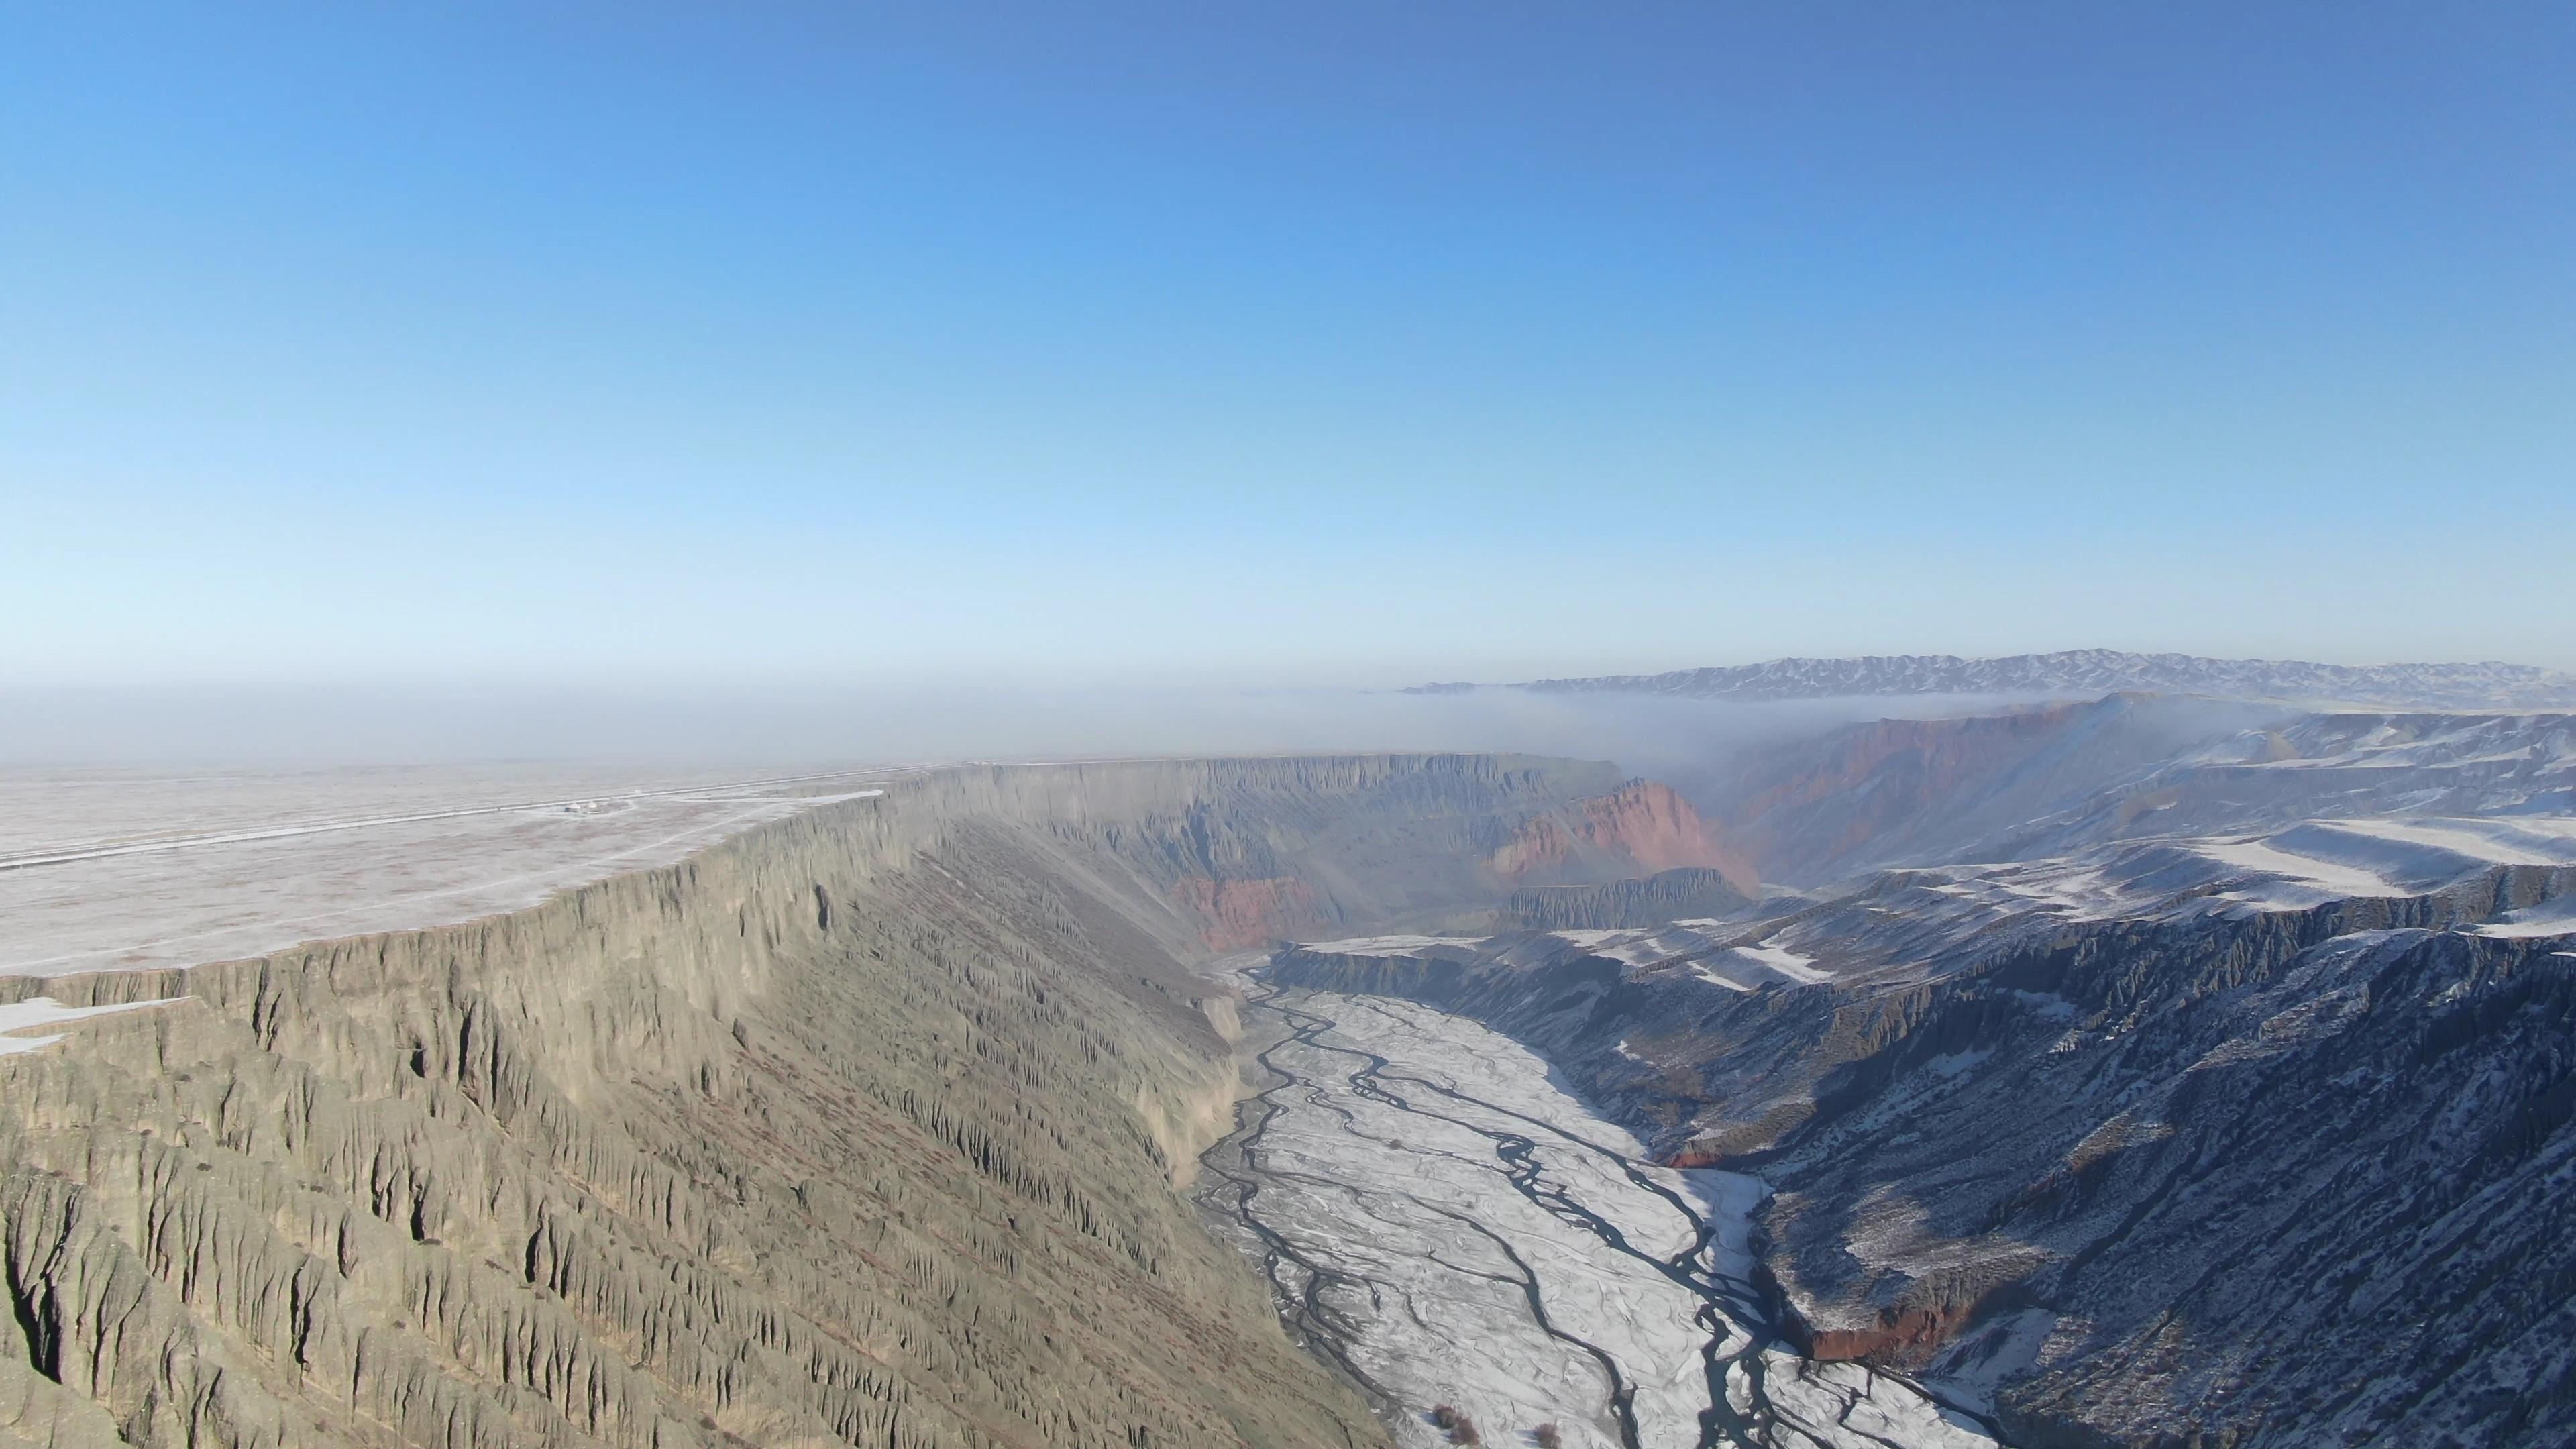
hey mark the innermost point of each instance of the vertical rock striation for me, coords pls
(857, 1129)
(1642, 828)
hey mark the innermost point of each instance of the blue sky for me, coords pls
(1326, 342)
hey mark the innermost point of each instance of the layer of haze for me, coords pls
(655, 347)
(757, 728)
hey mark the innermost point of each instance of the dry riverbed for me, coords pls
(1448, 1225)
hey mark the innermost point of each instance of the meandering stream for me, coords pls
(1442, 1220)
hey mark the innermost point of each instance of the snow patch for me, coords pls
(1800, 969)
(2298, 881)
(1749, 968)
(39, 1012)
(2550, 918)
(1408, 946)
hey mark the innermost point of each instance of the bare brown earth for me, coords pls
(1640, 829)
(856, 1129)
(1242, 913)
(1821, 810)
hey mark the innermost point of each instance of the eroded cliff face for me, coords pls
(1640, 829)
(857, 1129)
(1672, 895)
(1236, 914)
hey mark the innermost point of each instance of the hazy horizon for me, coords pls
(262, 727)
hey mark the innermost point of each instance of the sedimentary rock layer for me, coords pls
(1640, 829)
(856, 1129)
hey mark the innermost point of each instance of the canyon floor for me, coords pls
(1442, 1219)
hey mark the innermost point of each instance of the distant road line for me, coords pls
(67, 855)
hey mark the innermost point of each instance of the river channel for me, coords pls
(1441, 1220)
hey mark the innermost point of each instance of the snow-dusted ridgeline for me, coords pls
(2091, 673)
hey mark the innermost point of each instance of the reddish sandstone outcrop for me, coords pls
(1880, 777)
(1945, 752)
(1639, 829)
(1902, 1336)
(1236, 915)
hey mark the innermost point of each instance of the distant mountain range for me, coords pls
(2090, 673)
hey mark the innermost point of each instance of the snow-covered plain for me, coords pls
(121, 870)
(1441, 1218)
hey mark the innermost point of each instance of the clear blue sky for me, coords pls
(1333, 341)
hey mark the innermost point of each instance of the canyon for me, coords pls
(2117, 1136)
(859, 1126)
(1452, 1228)
(2134, 1071)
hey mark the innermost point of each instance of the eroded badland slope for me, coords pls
(855, 1129)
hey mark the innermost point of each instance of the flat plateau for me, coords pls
(119, 870)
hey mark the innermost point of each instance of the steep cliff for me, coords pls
(856, 1129)
(1642, 828)
(1671, 895)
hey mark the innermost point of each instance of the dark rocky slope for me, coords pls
(857, 1129)
(2211, 1176)
(1671, 895)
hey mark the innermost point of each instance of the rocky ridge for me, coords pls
(2090, 674)
(1669, 895)
(855, 1129)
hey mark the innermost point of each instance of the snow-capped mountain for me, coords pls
(2092, 673)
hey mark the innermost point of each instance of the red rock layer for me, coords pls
(1642, 828)
(1897, 769)
(1236, 915)
(1902, 1336)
